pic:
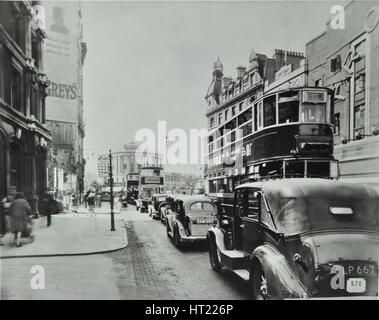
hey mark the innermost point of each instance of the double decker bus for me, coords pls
(132, 181)
(287, 133)
(151, 181)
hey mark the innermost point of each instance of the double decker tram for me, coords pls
(284, 134)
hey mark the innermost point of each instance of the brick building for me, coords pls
(346, 60)
(23, 131)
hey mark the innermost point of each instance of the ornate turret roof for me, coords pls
(215, 86)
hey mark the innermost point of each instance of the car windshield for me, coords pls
(320, 206)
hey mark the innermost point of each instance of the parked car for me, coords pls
(158, 201)
(189, 218)
(105, 196)
(300, 238)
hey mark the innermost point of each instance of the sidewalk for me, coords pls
(68, 235)
(104, 209)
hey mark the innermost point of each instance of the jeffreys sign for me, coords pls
(62, 90)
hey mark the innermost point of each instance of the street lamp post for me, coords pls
(111, 187)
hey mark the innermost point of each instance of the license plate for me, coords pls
(356, 285)
(204, 221)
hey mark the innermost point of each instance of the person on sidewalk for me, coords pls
(20, 211)
(46, 207)
(91, 203)
(74, 203)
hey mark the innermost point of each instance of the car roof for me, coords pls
(301, 204)
(303, 187)
(190, 198)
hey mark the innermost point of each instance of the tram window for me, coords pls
(269, 110)
(295, 169)
(289, 112)
(244, 117)
(231, 124)
(313, 113)
(318, 169)
(247, 129)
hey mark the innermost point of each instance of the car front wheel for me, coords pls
(258, 282)
(213, 256)
(177, 241)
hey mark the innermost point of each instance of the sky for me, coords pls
(150, 61)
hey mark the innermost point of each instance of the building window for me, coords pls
(226, 115)
(240, 106)
(15, 166)
(318, 83)
(220, 118)
(337, 123)
(16, 89)
(233, 111)
(360, 82)
(16, 30)
(211, 122)
(359, 121)
(335, 64)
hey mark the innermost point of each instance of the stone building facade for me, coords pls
(23, 131)
(65, 51)
(345, 58)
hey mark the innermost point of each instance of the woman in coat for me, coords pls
(19, 213)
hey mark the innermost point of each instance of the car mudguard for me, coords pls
(169, 219)
(181, 228)
(282, 282)
(218, 235)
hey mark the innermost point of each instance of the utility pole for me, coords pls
(111, 187)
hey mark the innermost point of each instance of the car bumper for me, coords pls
(191, 239)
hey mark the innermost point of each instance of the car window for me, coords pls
(208, 206)
(253, 204)
(265, 214)
(202, 206)
(196, 206)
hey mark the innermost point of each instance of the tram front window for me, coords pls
(313, 113)
(288, 111)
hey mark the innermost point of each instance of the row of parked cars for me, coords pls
(288, 239)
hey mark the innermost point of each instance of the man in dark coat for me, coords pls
(20, 212)
(46, 207)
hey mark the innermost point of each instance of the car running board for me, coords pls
(233, 259)
(242, 273)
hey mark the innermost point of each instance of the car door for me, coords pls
(239, 202)
(251, 231)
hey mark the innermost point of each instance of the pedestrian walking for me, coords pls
(91, 203)
(74, 203)
(46, 207)
(20, 212)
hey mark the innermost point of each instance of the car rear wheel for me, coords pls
(213, 256)
(258, 282)
(168, 230)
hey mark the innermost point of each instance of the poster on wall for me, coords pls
(62, 60)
